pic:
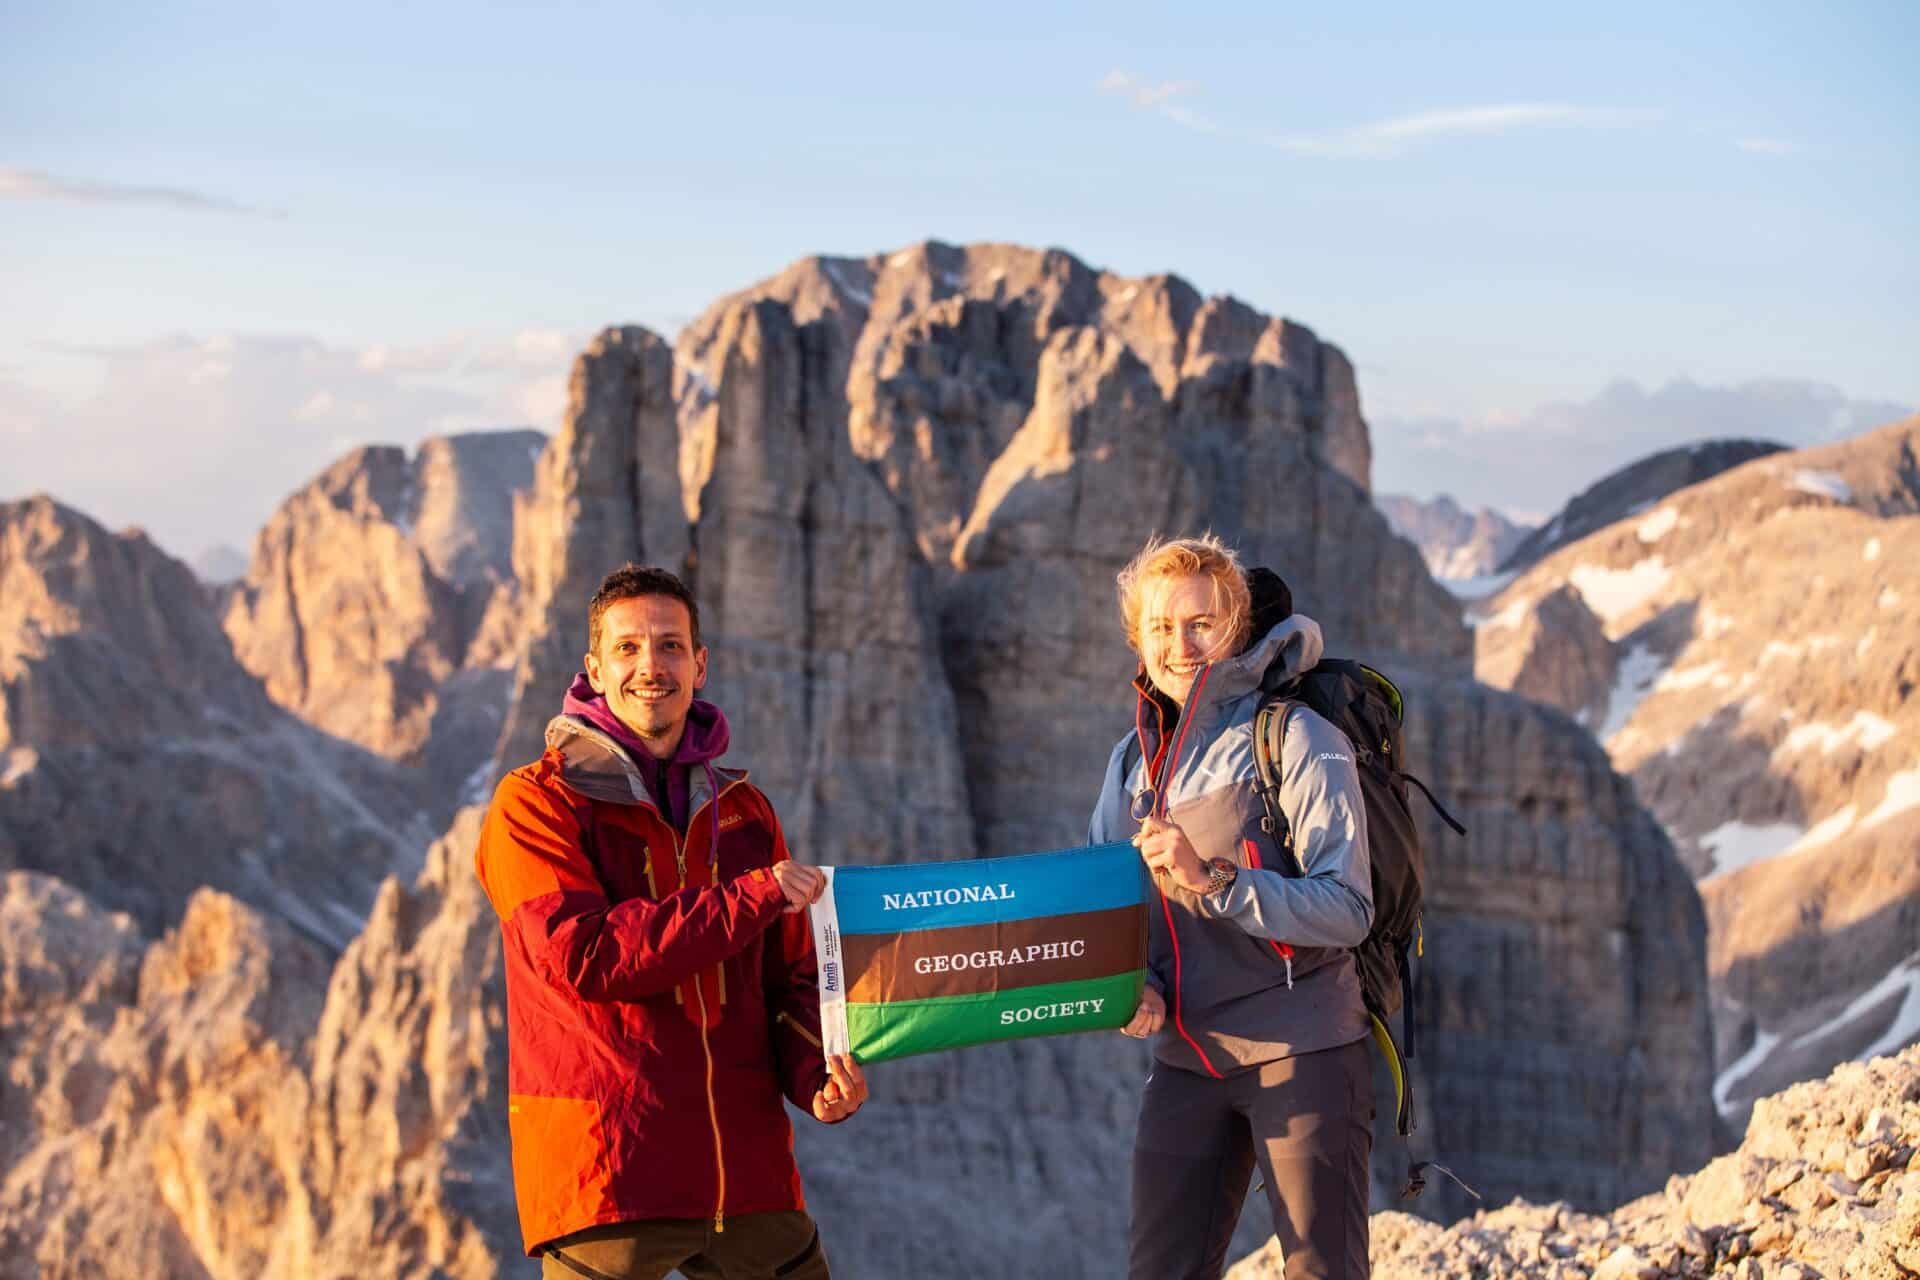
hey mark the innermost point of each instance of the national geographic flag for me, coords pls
(941, 955)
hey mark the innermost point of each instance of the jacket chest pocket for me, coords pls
(633, 862)
(1226, 823)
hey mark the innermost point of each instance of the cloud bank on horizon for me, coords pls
(197, 440)
(251, 419)
(1529, 463)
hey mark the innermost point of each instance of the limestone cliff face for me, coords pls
(904, 485)
(1565, 950)
(1552, 650)
(138, 761)
(381, 595)
(1764, 707)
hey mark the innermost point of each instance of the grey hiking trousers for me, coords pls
(1306, 1121)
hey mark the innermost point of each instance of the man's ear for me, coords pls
(593, 673)
(700, 668)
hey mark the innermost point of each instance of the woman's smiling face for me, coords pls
(1182, 628)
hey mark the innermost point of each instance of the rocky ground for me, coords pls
(1826, 1186)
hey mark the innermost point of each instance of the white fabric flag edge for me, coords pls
(825, 918)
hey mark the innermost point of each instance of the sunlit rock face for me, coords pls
(380, 605)
(139, 761)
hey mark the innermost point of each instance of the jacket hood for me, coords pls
(598, 753)
(705, 740)
(1290, 648)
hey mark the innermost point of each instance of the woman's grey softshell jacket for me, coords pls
(1260, 971)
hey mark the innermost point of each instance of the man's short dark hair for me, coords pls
(632, 582)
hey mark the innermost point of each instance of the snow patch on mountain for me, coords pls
(1905, 1024)
(1826, 831)
(1612, 594)
(1640, 667)
(1693, 677)
(1902, 794)
(1822, 484)
(1867, 729)
(1764, 1043)
(1658, 525)
(1740, 844)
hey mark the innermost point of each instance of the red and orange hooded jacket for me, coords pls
(660, 1002)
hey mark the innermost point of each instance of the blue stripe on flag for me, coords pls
(940, 895)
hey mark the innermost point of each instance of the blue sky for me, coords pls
(236, 238)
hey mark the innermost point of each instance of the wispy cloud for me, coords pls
(1387, 137)
(1380, 137)
(1151, 95)
(31, 184)
(1767, 146)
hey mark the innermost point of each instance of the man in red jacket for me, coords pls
(661, 991)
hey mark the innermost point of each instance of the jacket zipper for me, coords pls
(1160, 809)
(706, 1047)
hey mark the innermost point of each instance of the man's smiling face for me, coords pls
(647, 668)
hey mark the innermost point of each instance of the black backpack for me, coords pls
(1365, 706)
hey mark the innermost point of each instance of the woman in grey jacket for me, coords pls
(1252, 997)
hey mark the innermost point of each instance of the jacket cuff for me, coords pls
(760, 891)
(1230, 901)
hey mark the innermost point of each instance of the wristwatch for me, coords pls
(1220, 874)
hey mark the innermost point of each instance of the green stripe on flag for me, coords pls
(901, 1028)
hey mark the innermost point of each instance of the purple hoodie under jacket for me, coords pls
(704, 741)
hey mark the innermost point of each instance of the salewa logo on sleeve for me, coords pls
(1332, 755)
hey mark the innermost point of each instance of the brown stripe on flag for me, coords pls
(920, 964)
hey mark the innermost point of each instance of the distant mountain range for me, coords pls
(1455, 544)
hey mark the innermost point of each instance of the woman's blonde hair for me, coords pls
(1164, 558)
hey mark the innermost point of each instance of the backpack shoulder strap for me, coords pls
(1269, 740)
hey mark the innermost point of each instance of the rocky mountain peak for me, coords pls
(1456, 543)
(1631, 490)
(380, 599)
(104, 637)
